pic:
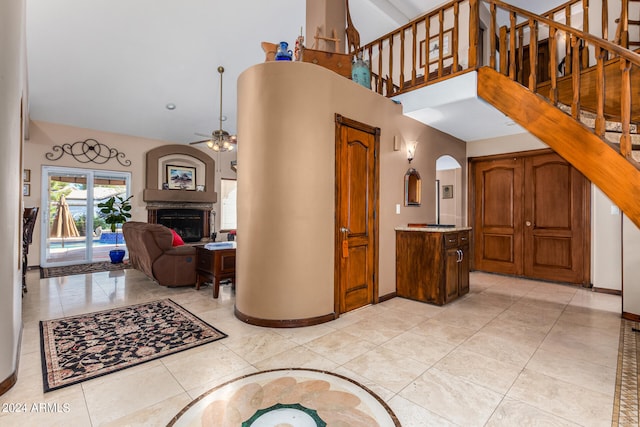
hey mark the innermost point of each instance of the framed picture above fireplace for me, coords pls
(181, 177)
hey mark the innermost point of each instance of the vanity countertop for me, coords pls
(432, 228)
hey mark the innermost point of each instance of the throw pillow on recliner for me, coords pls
(177, 240)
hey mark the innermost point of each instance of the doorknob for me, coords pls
(528, 223)
(344, 230)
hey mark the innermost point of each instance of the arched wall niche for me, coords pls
(179, 155)
(448, 191)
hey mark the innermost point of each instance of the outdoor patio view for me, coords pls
(77, 231)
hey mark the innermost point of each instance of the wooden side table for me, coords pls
(215, 265)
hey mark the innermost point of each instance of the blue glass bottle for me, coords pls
(282, 53)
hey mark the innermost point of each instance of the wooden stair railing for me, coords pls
(426, 51)
(613, 174)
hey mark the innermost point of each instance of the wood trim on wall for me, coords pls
(285, 323)
(12, 379)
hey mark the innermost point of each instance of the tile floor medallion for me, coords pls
(288, 397)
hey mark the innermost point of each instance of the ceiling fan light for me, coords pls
(210, 143)
(215, 147)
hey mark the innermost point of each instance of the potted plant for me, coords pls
(116, 210)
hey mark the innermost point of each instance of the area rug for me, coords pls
(288, 397)
(68, 270)
(86, 346)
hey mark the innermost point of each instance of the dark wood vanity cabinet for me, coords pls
(432, 266)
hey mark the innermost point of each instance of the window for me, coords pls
(228, 190)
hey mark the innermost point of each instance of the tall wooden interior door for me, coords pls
(356, 234)
(531, 218)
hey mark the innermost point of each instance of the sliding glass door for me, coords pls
(73, 229)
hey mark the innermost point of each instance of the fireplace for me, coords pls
(191, 224)
(187, 212)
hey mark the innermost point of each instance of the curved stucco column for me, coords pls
(286, 161)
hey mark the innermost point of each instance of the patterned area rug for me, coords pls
(69, 270)
(86, 346)
(288, 397)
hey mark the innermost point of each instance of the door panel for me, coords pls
(531, 218)
(356, 226)
(554, 219)
(498, 192)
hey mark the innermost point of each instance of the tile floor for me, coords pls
(512, 352)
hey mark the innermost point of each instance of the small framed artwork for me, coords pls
(26, 175)
(26, 189)
(181, 177)
(447, 191)
(433, 53)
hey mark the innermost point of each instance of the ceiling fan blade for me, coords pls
(199, 142)
(203, 134)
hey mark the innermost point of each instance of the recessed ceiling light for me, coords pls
(171, 106)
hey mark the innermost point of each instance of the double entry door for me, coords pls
(530, 216)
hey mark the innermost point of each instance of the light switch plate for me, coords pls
(398, 208)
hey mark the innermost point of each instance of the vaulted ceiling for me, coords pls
(115, 65)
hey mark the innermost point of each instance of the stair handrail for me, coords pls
(632, 56)
(579, 39)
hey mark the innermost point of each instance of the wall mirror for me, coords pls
(412, 188)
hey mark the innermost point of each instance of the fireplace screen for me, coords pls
(188, 223)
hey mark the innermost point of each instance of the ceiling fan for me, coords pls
(220, 139)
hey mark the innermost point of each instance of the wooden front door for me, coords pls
(531, 218)
(356, 238)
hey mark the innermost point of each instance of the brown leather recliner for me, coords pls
(151, 251)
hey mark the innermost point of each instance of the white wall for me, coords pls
(12, 83)
(606, 250)
(631, 267)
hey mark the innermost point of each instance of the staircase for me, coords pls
(615, 175)
(598, 81)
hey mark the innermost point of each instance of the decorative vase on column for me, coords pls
(282, 52)
(360, 72)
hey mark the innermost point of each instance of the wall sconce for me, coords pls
(411, 150)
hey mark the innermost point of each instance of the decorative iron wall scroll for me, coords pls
(88, 151)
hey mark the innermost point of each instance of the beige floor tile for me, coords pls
(453, 398)
(381, 329)
(297, 357)
(482, 370)
(117, 396)
(563, 399)
(434, 365)
(424, 349)
(515, 413)
(584, 374)
(155, 415)
(203, 364)
(62, 408)
(411, 415)
(583, 344)
(306, 334)
(500, 348)
(258, 347)
(387, 368)
(444, 332)
(340, 346)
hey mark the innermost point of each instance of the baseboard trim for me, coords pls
(285, 323)
(607, 291)
(387, 297)
(631, 316)
(12, 379)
